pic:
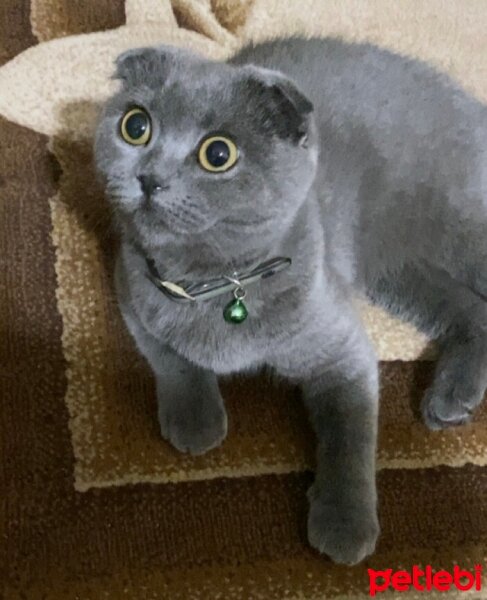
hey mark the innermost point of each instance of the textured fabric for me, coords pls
(78, 424)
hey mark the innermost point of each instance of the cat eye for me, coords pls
(217, 154)
(135, 127)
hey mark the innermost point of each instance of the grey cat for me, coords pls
(369, 171)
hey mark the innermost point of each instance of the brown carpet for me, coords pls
(93, 503)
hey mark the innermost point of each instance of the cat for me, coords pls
(369, 171)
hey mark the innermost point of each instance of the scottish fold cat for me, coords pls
(368, 171)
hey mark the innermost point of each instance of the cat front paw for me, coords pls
(346, 533)
(193, 431)
(449, 406)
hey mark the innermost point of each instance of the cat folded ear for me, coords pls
(144, 66)
(282, 107)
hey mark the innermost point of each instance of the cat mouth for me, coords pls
(246, 223)
(171, 220)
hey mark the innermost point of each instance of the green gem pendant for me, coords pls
(235, 311)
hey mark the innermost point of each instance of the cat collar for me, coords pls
(235, 311)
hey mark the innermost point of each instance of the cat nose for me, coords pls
(151, 184)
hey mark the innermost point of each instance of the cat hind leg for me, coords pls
(457, 318)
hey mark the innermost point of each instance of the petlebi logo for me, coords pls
(425, 580)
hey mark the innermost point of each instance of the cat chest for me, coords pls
(201, 333)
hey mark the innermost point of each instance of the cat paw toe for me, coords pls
(346, 535)
(446, 410)
(194, 436)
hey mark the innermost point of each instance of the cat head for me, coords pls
(188, 147)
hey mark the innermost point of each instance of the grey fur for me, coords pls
(381, 189)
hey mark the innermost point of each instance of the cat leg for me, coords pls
(457, 317)
(461, 372)
(336, 367)
(191, 412)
